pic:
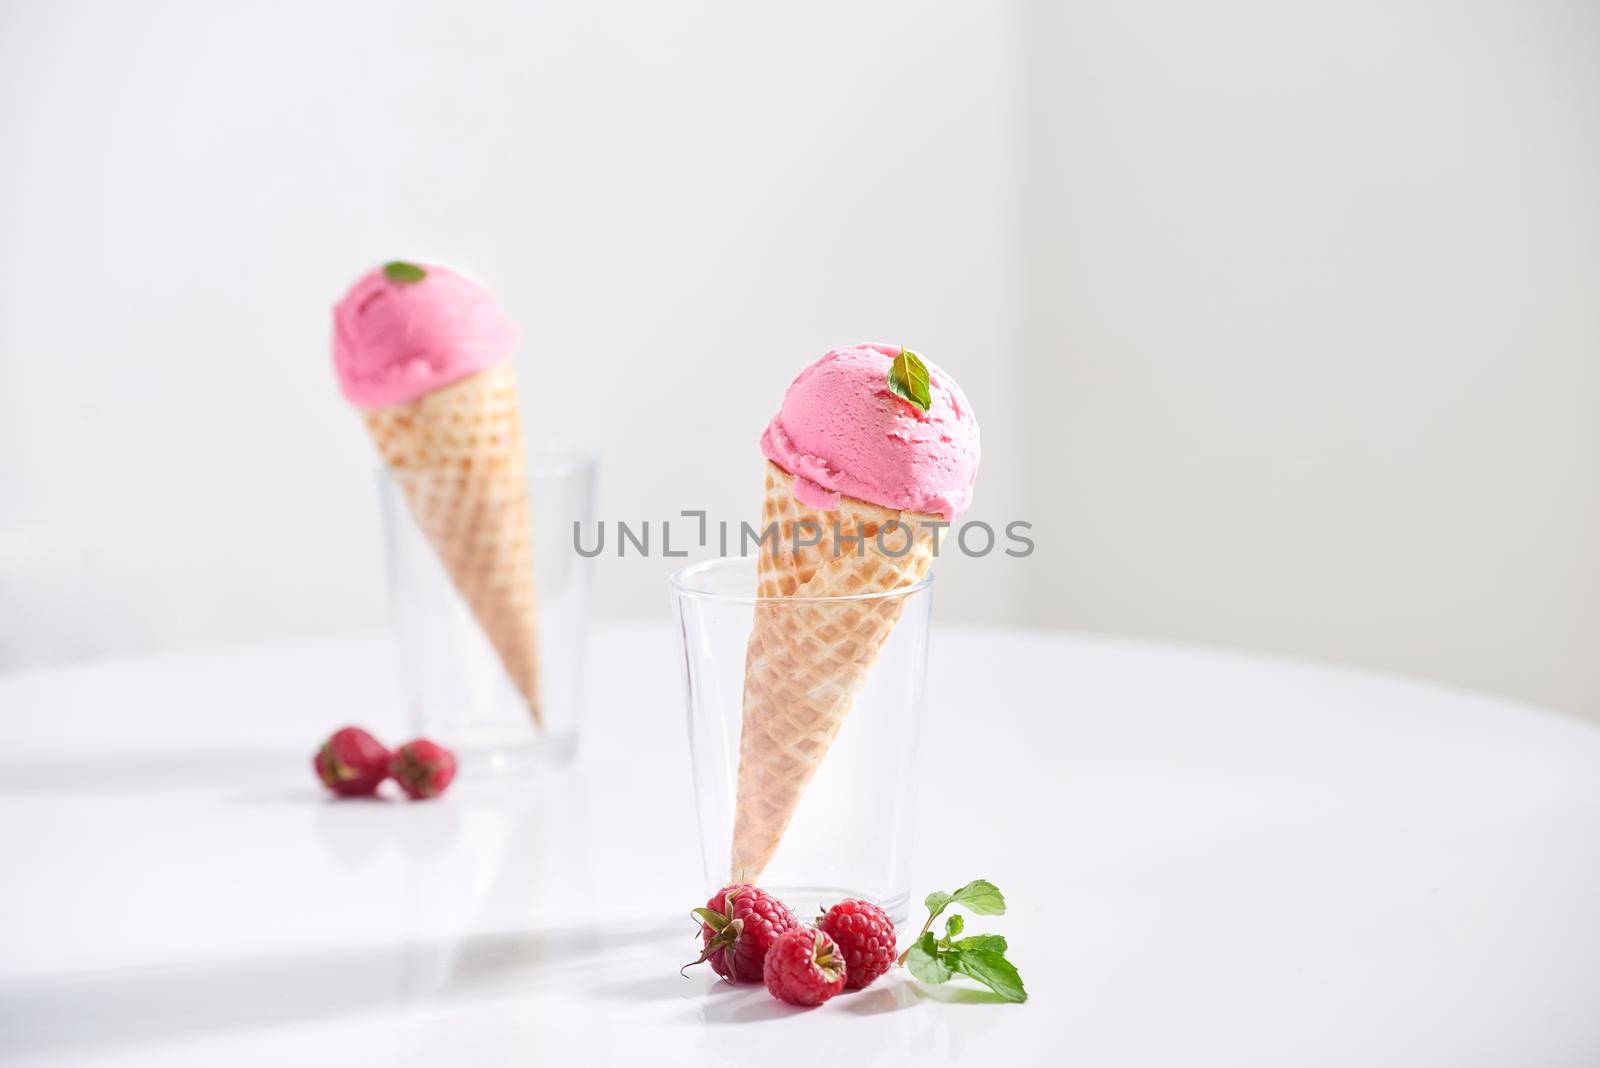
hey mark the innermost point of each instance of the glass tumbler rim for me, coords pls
(683, 583)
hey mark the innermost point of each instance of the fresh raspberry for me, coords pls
(422, 768)
(739, 924)
(352, 763)
(865, 937)
(804, 967)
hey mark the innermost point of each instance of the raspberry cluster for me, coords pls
(352, 763)
(750, 936)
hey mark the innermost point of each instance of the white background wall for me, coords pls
(1282, 326)
(1314, 302)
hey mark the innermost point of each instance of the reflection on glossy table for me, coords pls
(1212, 859)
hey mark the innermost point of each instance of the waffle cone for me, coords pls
(456, 454)
(806, 661)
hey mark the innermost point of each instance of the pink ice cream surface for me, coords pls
(394, 341)
(841, 432)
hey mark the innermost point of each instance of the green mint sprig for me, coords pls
(908, 379)
(982, 957)
(401, 271)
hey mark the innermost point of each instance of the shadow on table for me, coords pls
(724, 1003)
(134, 1005)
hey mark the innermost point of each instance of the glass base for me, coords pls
(487, 758)
(810, 902)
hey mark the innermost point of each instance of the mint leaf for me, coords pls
(982, 897)
(908, 379)
(981, 943)
(401, 271)
(936, 902)
(923, 960)
(990, 969)
(953, 925)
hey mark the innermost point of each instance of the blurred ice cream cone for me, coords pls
(423, 354)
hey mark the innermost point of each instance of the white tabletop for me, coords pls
(1212, 859)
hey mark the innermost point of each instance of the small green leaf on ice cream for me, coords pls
(401, 271)
(908, 379)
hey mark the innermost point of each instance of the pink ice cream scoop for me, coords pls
(842, 432)
(405, 330)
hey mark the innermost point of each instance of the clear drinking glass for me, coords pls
(849, 833)
(458, 693)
